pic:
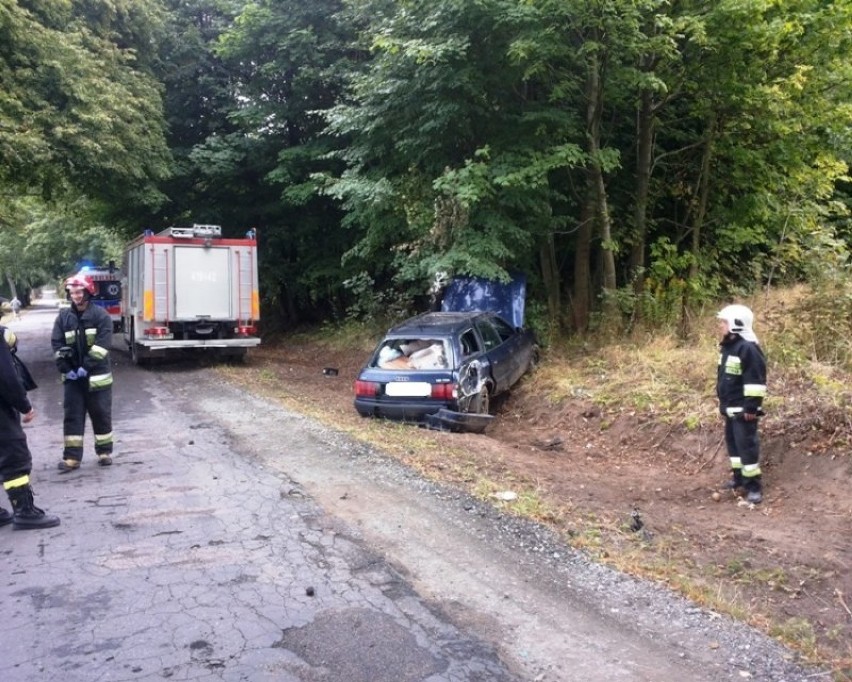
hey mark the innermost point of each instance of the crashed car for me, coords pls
(447, 364)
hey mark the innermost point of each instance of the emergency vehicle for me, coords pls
(190, 290)
(107, 294)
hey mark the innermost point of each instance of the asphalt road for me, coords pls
(233, 540)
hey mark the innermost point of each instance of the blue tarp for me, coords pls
(468, 294)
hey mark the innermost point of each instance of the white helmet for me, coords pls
(739, 319)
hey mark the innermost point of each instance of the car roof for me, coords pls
(436, 323)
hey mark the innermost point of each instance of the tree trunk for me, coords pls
(698, 226)
(550, 276)
(597, 187)
(13, 291)
(644, 148)
(703, 198)
(582, 299)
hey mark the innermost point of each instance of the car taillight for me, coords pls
(246, 330)
(443, 391)
(366, 389)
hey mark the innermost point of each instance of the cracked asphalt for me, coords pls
(187, 561)
(234, 540)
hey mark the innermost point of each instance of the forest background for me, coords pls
(635, 159)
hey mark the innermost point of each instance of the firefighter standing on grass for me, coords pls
(81, 339)
(741, 388)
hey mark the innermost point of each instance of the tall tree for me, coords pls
(76, 111)
(80, 123)
(287, 60)
(767, 91)
(450, 150)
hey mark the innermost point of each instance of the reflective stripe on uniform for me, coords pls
(19, 482)
(100, 380)
(754, 390)
(73, 441)
(69, 337)
(98, 352)
(91, 333)
(736, 463)
(733, 365)
(733, 411)
(751, 470)
(11, 339)
(103, 438)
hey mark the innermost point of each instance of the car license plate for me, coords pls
(408, 389)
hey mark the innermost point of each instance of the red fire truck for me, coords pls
(188, 289)
(107, 290)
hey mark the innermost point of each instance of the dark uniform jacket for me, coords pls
(13, 397)
(741, 380)
(84, 340)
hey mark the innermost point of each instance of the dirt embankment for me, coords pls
(588, 471)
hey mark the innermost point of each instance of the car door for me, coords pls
(517, 348)
(472, 366)
(498, 353)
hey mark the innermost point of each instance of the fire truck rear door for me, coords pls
(202, 283)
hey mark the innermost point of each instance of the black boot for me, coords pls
(5, 517)
(754, 490)
(26, 515)
(736, 480)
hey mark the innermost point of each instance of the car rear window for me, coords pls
(414, 354)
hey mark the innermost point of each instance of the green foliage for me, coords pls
(42, 243)
(372, 306)
(383, 142)
(76, 112)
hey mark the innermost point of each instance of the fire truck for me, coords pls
(107, 294)
(190, 290)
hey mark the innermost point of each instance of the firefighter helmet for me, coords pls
(740, 320)
(80, 282)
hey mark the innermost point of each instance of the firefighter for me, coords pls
(15, 459)
(741, 388)
(81, 339)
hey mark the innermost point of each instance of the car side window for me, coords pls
(490, 337)
(469, 343)
(503, 328)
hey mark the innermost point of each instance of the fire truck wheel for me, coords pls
(135, 355)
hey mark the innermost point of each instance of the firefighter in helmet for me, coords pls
(16, 463)
(81, 341)
(741, 388)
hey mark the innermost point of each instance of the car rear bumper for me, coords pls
(413, 411)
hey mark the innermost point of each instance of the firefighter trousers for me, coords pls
(743, 446)
(79, 402)
(15, 460)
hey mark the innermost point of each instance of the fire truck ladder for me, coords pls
(160, 267)
(245, 282)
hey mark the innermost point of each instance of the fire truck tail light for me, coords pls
(246, 330)
(158, 333)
